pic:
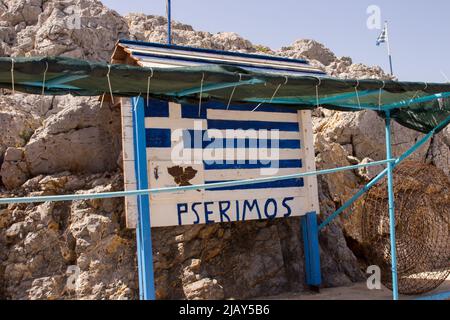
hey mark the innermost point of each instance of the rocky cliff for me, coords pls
(81, 249)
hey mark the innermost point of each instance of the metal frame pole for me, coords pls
(391, 206)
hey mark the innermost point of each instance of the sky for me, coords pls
(419, 31)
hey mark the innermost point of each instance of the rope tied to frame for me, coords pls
(12, 76)
(109, 83)
(200, 96)
(273, 95)
(232, 92)
(148, 84)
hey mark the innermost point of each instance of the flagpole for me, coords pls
(388, 47)
(169, 22)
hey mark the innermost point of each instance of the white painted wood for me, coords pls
(164, 207)
(174, 110)
(159, 177)
(227, 154)
(248, 115)
(162, 214)
(129, 176)
(174, 124)
(309, 159)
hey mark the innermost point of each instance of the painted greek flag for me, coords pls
(240, 152)
(187, 144)
(382, 38)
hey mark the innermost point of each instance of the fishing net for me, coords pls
(422, 214)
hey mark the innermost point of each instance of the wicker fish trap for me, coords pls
(422, 214)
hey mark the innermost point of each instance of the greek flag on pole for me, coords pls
(382, 38)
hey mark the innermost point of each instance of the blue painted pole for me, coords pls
(169, 22)
(310, 234)
(138, 224)
(391, 207)
(143, 231)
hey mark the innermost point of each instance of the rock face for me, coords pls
(57, 145)
(310, 50)
(73, 28)
(70, 139)
(75, 250)
(154, 29)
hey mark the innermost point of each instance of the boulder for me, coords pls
(83, 137)
(17, 124)
(154, 29)
(75, 28)
(310, 50)
(14, 170)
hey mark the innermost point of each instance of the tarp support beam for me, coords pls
(216, 86)
(345, 96)
(407, 103)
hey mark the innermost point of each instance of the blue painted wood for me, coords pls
(156, 57)
(291, 183)
(156, 108)
(252, 124)
(191, 110)
(189, 142)
(282, 164)
(144, 227)
(158, 138)
(261, 108)
(212, 51)
(310, 234)
(138, 224)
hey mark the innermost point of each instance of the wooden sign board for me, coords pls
(188, 145)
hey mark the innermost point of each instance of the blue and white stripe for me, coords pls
(382, 38)
(243, 156)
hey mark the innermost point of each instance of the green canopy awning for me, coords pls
(416, 105)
